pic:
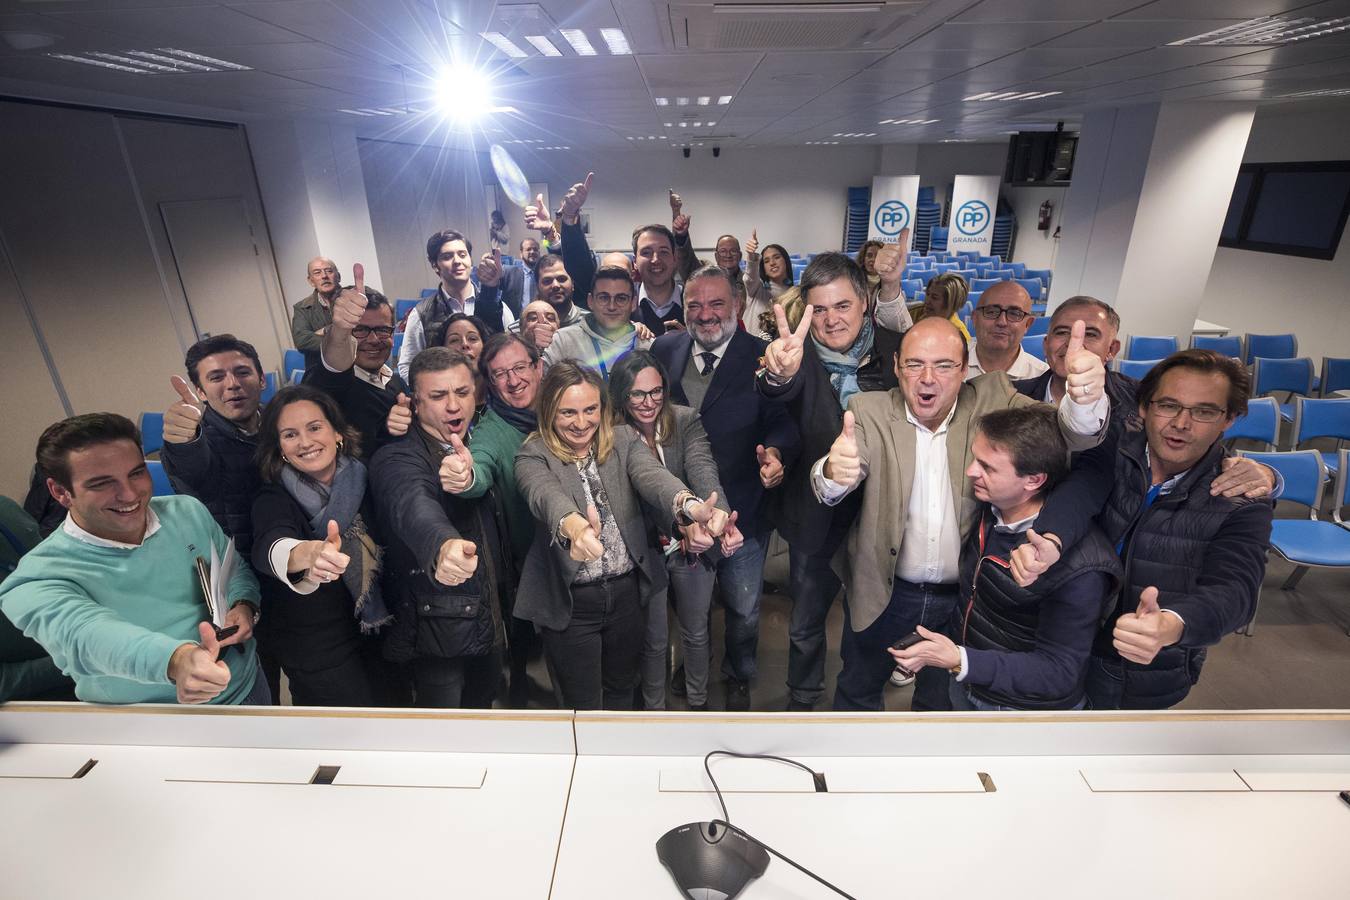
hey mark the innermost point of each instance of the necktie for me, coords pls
(709, 359)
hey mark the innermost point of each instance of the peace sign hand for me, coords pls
(783, 357)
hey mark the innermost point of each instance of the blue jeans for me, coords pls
(260, 695)
(867, 665)
(740, 579)
(813, 586)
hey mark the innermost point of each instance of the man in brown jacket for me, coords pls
(908, 449)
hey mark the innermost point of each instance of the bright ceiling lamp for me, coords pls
(464, 95)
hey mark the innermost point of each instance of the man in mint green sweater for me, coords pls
(113, 594)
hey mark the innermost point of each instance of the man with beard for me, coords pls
(311, 316)
(552, 308)
(711, 367)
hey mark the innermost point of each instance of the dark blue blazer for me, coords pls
(736, 418)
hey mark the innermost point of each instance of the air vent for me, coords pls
(803, 25)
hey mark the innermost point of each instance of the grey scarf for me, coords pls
(342, 503)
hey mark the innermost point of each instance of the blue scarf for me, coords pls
(342, 503)
(843, 367)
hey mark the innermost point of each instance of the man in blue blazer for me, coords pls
(712, 369)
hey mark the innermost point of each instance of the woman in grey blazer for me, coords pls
(639, 389)
(592, 565)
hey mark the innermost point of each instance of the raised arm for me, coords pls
(339, 347)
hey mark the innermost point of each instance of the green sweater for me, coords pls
(112, 617)
(493, 444)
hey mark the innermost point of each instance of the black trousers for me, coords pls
(345, 684)
(459, 682)
(595, 658)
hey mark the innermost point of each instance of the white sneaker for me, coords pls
(901, 678)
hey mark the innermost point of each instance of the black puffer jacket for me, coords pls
(1205, 555)
(416, 517)
(218, 468)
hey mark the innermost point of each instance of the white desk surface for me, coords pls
(1209, 328)
(1174, 825)
(233, 820)
(210, 803)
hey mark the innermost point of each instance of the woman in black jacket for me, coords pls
(318, 564)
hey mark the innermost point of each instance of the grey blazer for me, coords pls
(552, 488)
(689, 458)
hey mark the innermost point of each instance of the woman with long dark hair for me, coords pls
(318, 562)
(768, 273)
(639, 391)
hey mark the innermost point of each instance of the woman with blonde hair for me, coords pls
(598, 496)
(943, 298)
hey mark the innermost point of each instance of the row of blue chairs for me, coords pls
(1310, 543)
(1247, 348)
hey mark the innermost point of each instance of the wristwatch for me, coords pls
(257, 613)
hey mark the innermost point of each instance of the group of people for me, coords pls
(567, 448)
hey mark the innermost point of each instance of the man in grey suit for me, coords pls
(908, 449)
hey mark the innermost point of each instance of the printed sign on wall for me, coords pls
(974, 200)
(893, 201)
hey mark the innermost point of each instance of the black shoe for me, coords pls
(677, 682)
(800, 706)
(738, 695)
(698, 707)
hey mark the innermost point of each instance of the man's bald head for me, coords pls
(1001, 334)
(618, 259)
(1006, 293)
(935, 329)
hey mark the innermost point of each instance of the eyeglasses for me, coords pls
(516, 372)
(655, 395)
(612, 299)
(360, 332)
(913, 368)
(992, 311)
(1170, 409)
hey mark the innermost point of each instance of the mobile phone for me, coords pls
(1345, 797)
(224, 633)
(907, 641)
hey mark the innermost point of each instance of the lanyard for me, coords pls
(600, 356)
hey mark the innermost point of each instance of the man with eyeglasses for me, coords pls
(311, 316)
(1194, 560)
(1001, 320)
(354, 359)
(908, 449)
(607, 332)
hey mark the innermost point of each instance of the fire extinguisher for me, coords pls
(1043, 223)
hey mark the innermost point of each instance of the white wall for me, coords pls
(1038, 249)
(1272, 293)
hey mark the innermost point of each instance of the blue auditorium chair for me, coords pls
(1135, 368)
(1294, 376)
(1271, 346)
(1039, 327)
(1322, 418)
(151, 425)
(1260, 423)
(1335, 375)
(1230, 345)
(1033, 345)
(159, 478)
(1141, 347)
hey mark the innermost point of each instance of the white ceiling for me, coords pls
(796, 76)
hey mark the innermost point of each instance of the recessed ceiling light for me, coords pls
(704, 101)
(668, 124)
(543, 45)
(577, 38)
(1321, 92)
(1010, 95)
(503, 43)
(684, 124)
(129, 61)
(181, 65)
(207, 60)
(681, 101)
(907, 121)
(1267, 30)
(616, 40)
(724, 100)
(662, 101)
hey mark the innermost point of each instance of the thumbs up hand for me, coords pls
(194, 669)
(584, 534)
(706, 513)
(1139, 635)
(731, 539)
(680, 224)
(1029, 561)
(490, 268)
(1085, 376)
(182, 420)
(329, 560)
(844, 464)
(399, 419)
(752, 245)
(457, 467)
(350, 304)
(536, 216)
(456, 562)
(770, 466)
(575, 199)
(676, 204)
(890, 262)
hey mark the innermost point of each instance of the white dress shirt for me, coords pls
(79, 534)
(1024, 366)
(696, 351)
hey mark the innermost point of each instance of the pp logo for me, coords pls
(972, 217)
(892, 217)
